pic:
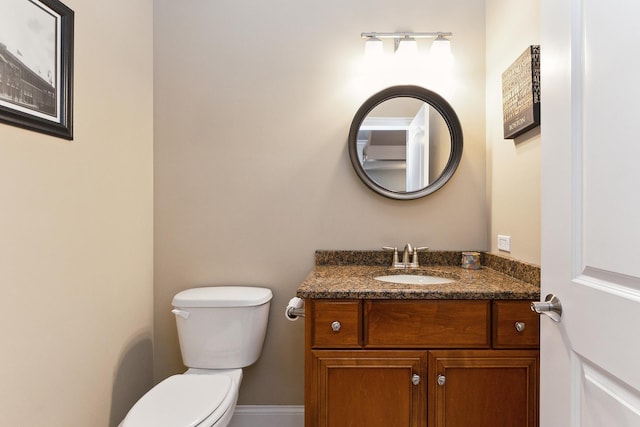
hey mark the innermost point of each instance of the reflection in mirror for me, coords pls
(405, 142)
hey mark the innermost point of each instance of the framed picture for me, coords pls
(521, 94)
(36, 66)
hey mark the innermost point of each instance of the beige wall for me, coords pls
(513, 166)
(253, 104)
(76, 237)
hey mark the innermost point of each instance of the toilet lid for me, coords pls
(179, 401)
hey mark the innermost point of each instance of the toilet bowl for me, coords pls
(221, 330)
(197, 398)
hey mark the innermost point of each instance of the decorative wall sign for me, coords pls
(36, 66)
(521, 94)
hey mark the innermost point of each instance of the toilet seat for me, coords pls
(183, 401)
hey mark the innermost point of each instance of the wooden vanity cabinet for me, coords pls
(420, 363)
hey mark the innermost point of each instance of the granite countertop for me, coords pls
(335, 278)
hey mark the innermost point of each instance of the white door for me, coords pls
(418, 150)
(590, 361)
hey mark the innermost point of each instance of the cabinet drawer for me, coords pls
(336, 324)
(427, 324)
(515, 325)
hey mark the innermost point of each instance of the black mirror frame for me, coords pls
(435, 101)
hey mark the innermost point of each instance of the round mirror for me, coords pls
(405, 142)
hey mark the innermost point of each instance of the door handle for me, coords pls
(551, 307)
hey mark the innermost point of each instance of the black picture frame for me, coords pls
(521, 94)
(36, 66)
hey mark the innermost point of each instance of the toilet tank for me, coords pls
(221, 327)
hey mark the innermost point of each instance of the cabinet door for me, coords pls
(483, 388)
(367, 389)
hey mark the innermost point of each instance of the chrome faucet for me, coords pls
(406, 255)
(409, 256)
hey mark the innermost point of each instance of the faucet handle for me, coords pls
(415, 262)
(394, 261)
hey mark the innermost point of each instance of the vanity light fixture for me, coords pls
(373, 47)
(404, 42)
(441, 47)
(405, 46)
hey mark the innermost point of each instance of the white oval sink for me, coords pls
(414, 279)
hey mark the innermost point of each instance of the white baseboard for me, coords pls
(268, 416)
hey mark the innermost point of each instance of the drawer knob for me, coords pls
(415, 379)
(441, 380)
(520, 326)
(335, 326)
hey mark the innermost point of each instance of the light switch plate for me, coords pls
(504, 243)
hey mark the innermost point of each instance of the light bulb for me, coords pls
(406, 46)
(373, 47)
(441, 49)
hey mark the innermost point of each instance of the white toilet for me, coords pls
(221, 330)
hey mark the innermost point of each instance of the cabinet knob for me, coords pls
(520, 326)
(335, 326)
(441, 380)
(415, 379)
